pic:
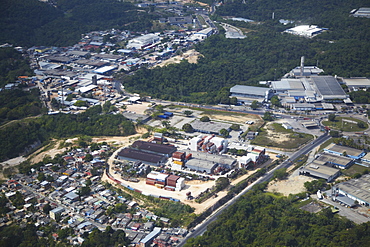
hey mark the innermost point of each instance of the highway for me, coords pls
(201, 228)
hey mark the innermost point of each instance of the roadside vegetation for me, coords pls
(274, 220)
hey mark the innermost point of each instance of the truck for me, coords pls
(163, 116)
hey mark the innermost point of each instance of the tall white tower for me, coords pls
(302, 65)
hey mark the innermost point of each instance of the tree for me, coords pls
(41, 176)
(166, 124)
(267, 116)
(314, 185)
(84, 191)
(188, 113)
(88, 157)
(361, 125)
(80, 103)
(334, 133)
(205, 119)
(107, 106)
(275, 101)
(233, 101)
(46, 209)
(331, 117)
(280, 173)
(254, 105)
(187, 128)
(222, 183)
(224, 132)
(235, 127)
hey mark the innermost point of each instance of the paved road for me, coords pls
(348, 213)
(201, 228)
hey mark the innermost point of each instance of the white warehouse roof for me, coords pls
(305, 30)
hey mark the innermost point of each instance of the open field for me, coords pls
(294, 184)
(355, 169)
(274, 135)
(346, 124)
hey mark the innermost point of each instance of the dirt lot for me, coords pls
(292, 185)
(190, 55)
(242, 118)
(276, 136)
(138, 108)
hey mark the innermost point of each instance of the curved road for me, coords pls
(201, 228)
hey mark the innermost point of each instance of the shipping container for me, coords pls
(169, 188)
(178, 162)
(163, 116)
(179, 155)
(167, 113)
(138, 191)
(161, 183)
(188, 157)
(159, 186)
(150, 183)
(164, 197)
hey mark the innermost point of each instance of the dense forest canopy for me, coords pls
(12, 65)
(18, 104)
(266, 53)
(32, 131)
(31, 22)
(260, 219)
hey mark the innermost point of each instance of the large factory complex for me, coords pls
(205, 154)
(302, 89)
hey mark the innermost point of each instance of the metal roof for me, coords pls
(359, 188)
(328, 86)
(249, 90)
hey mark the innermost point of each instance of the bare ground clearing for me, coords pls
(276, 136)
(190, 55)
(294, 184)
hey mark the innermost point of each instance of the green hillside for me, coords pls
(31, 22)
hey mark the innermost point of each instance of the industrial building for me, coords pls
(362, 12)
(146, 242)
(105, 70)
(328, 88)
(247, 94)
(165, 150)
(209, 144)
(365, 161)
(340, 150)
(143, 41)
(180, 20)
(310, 90)
(318, 169)
(138, 155)
(56, 213)
(204, 162)
(202, 35)
(308, 31)
(209, 127)
(341, 162)
(255, 156)
(354, 189)
(357, 83)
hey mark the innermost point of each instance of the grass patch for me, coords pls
(354, 169)
(324, 145)
(301, 203)
(275, 195)
(294, 141)
(351, 125)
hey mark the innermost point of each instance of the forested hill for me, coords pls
(31, 22)
(266, 53)
(19, 136)
(260, 219)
